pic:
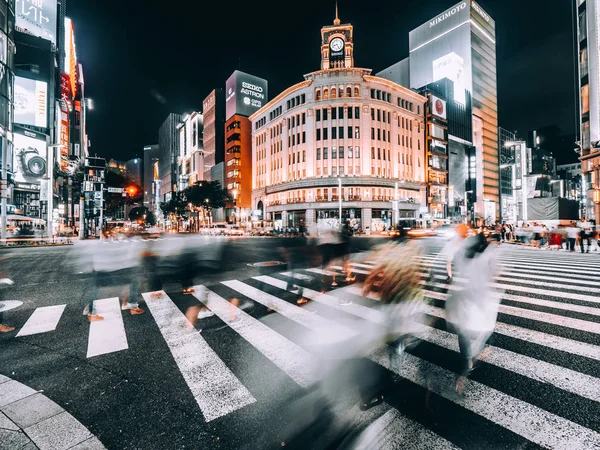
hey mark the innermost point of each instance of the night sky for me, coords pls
(142, 62)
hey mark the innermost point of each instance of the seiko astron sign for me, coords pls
(447, 14)
(244, 94)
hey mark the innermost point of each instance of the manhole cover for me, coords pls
(266, 264)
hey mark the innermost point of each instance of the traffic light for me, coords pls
(131, 191)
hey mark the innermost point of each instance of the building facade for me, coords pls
(213, 110)
(341, 141)
(150, 176)
(191, 159)
(587, 30)
(168, 149)
(460, 44)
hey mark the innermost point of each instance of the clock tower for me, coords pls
(337, 46)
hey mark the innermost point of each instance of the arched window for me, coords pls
(341, 92)
(333, 92)
(348, 91)
(325, 94)
(356, 91)
(318, 94)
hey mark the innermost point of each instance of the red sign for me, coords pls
(64, 140)
(65, 91)
(439, 107)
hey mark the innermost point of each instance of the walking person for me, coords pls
(452, 248)
(473, 311)
(5, 281)
(294, 251)
(572, 233)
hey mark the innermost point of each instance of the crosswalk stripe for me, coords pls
(215, 388)
(525, 334)
(394, 430)
(566, 379)
(296, 362)
(108, 335)
(526, 420)
(42, 320)
(325, 329)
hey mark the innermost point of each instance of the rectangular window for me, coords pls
(334, 133)
(304, 137)
(303, 117)
(318, 154)
(389, 139)
(357, 112)
(293, 139)
(341, 153)
(585, 99)
(333, 152)
(372, 114)
(389, 155)
(350, 152)
(356, 132)
(325, 153)
(325, 113)
(350, 109)
(334, 171)
(372, 93)
(293, 122)
(318, 115)
(378, 115)
(318, 134)
(318, 174)
(373, 133)
(350, 130)
(333, 113)
(303, 98)
(372, 152)
(384, 154)
(378, 134)
(357, 152)
(341, 132)
(341, 112)
(379, 153)
(325, 134)
(341, 170)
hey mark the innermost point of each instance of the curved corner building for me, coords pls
(341, 140)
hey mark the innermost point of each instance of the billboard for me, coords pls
(437, 107)
(452, 66)
(64, 140)
(31, 102)
(37, 18)
(30, 158)
(245, 94)
(71, 55)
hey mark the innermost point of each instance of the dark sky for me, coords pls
(142, 62)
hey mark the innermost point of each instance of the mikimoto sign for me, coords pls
(244, 94)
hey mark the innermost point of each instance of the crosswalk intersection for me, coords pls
(540, 384)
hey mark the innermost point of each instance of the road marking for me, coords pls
(215, 388)
(42, 320)
(534, 424)
(325, 329)
(394, 430)
(108, 335)
(296, 362)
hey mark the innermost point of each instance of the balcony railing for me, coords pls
(354, 198)
(322, 199)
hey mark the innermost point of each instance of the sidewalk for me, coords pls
(29, 420)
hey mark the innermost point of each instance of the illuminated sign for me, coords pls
(452, 66)
(71, 55)
(209, 102)
(30, 156)
(31, 102)
(245, 94)
(37, 18)
(481, 12)
(64, 140)
(437, 107)
(447, 14)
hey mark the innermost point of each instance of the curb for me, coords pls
(30, 420)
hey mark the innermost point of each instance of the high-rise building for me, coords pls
(507, 142)
(213, 110)
(460, 44)
(150, 176)
(168, 152)
(191, 158)
(135, 169)
(342, 145)
(246, 94)
(587, 36)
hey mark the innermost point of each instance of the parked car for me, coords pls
(235, 231)
(218, 230)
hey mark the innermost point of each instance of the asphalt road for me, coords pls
(247, 384)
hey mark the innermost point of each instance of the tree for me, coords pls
(150, 219)
(175, 208)
(207, 195)
(138, 214)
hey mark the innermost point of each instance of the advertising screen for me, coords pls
(31, 102)
(244, 94)
(30, 157)
(438, 107)
(64, 140)
(37, 17)
(71, 55)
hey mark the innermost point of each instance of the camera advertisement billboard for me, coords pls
(31, 102)
(245, 94)
(30, 158)
(37, 18)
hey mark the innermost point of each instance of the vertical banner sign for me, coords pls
(65, 102)
(71, 55)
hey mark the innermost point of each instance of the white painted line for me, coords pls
(393, 431)
(361, 311)
(550, 285)
(328, 330)
(108, 335)
(42, 320)
(215, 388)
(294, 361)
(534, 424)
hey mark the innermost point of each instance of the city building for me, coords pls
(507, 140)
(134, 169)
(587, 36)
(191, 158)
(572, 179)
(93, 200)
(460, 44)
(151, 179)
(168, 146)
(213, 109)
(245, 94)
(340, 145)
(115, 166)
(540, 142)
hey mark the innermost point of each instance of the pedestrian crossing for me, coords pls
(540, 382)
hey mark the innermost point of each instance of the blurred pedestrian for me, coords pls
(472, 312)
(4, 281)
(294, 251)
(452, 247)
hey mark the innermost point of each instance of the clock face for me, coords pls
(337, 44)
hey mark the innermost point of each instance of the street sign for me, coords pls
(115, 190)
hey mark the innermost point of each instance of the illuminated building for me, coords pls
(587, 30)
(340, 139)
(245, 94)
(150, 176)
(191, 158)
(213, 110)
(460, 44)
(168, 152)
